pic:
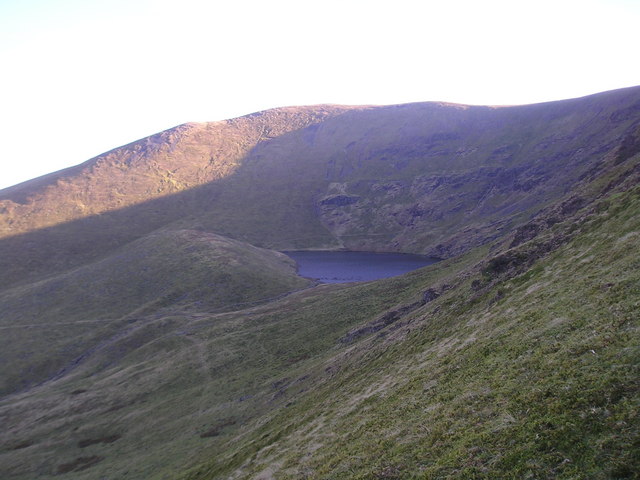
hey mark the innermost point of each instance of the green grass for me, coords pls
(164, 384)
(78, 311)
(540, 383)
(133, 352)
(532, 376)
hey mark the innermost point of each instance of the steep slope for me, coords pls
(537, 378)
(424, 178)
(168, 162)
(517, 359)
(524, 366)
(75, 216)
(138, 342)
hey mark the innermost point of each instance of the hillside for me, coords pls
(423, 178)
(149, 332)
(93, 304)
(521, 365)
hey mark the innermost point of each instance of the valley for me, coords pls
(150, 326)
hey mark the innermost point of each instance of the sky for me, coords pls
(81, 77)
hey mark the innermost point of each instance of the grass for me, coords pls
(532, 376)
(157, 350)
(177, 270)
(193, 374)
(462, 173)
(541, 382)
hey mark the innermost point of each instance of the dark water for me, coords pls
(342, 267)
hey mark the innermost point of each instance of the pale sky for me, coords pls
(80, 77)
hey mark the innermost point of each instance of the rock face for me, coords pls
(424, 178)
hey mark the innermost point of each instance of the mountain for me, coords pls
(440, 178)
(150, 330)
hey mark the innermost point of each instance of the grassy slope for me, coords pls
(159, 382)
(534, 375)
(523, 370)
(54, 322)
(168, 162)
(78, 215)
(420, 177)
(182, 383)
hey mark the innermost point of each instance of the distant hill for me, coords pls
(150, 329)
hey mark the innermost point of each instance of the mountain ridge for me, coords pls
(294, 118)
(425, 184)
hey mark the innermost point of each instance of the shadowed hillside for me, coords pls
(148, 333)
(178, 271)
(423, 178)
